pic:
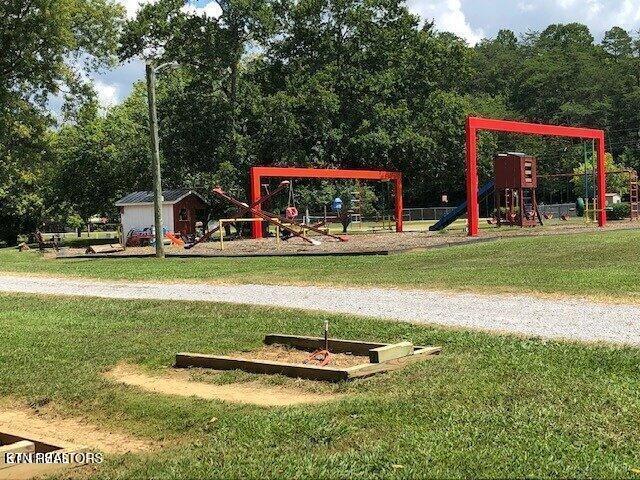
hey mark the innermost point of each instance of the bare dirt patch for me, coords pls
(280, 353)
(26, 423)
(178, 383)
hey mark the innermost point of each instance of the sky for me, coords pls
(472, 20)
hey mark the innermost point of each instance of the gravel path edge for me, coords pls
(567, 319)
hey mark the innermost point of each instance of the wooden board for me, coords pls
(368, 369)
(22, 446)
(111, 248)
(227, 254)
(23, 471)
(41, 445)
(389, 352)
(310, 344)
(386, 357)
(218, 362)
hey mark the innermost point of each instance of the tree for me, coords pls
(45, 45)
(618, 43)
(495, 63)
(344, 83)
(211, 49)
(107, 155)
(23, 170)
(570, 36)
(326, 83)
(616, 182)
(36, 37)
(45, 42)
(358, 84)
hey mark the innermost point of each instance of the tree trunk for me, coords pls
(233, 92)
(237, 49)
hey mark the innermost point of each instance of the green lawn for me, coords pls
(599, 264)
(489, 406)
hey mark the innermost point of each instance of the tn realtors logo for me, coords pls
(55, 457)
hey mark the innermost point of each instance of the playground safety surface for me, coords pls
(380, 243)
(360, 244)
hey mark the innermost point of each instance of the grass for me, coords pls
(599, 264)
(489, 406)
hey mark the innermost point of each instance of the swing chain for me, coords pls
(291, 211)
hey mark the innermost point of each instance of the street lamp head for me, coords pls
(167, 66)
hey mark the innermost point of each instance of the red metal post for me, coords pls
(473, 209)
(397, 183)
(602, 182)
(254, 186)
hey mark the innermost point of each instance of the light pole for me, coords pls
(155, 152)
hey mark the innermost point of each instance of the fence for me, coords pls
(408, 214)
(427, 213)
(558, 209)
(66, 236)
(436, 213)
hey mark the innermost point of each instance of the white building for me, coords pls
(612, 198)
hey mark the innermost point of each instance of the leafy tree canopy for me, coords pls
(45, 45)
(326, 83)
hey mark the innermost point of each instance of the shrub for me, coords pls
(619, 211)
(85, 242)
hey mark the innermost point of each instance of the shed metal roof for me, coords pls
(169, 197)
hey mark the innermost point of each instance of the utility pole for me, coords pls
(155, 154)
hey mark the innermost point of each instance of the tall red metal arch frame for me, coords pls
(256, 174)
(474, 124)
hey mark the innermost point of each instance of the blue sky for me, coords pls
(470, 19)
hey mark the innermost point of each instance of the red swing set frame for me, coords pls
(256, 174)
(476, 124)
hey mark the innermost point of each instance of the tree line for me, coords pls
(322, 83)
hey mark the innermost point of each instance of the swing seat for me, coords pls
(291, 213)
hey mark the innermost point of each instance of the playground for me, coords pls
(319, 340)
(315, 211)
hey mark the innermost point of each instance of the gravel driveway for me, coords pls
(578, 319)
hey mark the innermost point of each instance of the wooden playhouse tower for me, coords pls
(515, 189)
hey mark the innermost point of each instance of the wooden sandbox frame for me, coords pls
(19, 442)
(383, 357)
